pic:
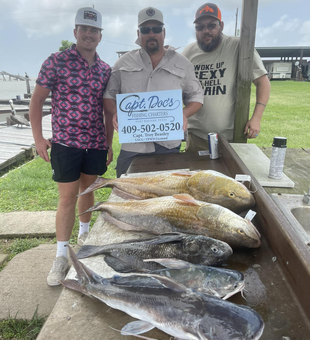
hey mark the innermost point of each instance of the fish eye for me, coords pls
(241, 231)
(231, 194)
(215, 249)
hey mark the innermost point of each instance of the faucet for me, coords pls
(306, 198)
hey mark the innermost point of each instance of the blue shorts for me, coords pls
(68, 163)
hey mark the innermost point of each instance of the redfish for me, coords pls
(181, 213)
(207, 186)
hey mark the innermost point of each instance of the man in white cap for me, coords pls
(82, 138)
(215, 58)
(154, 67)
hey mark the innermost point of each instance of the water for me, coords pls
(13, 88)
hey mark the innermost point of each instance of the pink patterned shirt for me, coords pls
(77, 98)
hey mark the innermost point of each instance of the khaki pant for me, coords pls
(195, 143)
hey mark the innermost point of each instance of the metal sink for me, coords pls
(302, 215)
(296, 211)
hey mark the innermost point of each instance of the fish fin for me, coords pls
(125, 195)
(200, 332)
(137, 327)
(171, 263)
(100, 182)
(165, 238)
(186, 198)
(118, 265)
(139, 280)
(89, 250)
(120, 224)
(168, 282)
(183, 173)
(84, 274)
(72, 284)
(93, 208)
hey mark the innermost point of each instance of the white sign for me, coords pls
(150, 116)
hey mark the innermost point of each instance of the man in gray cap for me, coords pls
(215, 57)
(154, 67)
(82, 139)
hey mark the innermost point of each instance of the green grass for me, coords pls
(14, 328)
(286, 115)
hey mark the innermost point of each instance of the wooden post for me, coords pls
(246, 53)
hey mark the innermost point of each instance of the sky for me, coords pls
(30, 30)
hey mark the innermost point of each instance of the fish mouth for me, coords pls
(237, 290)
(254, 230)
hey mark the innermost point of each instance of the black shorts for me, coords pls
(68, 163)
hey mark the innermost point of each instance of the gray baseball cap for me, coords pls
(150, 13)
(88, 16)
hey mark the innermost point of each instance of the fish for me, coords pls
(160, 302)
(181, 213)
(207, 186)
(220, 282)
(128, 256)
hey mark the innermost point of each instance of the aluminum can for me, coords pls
(213, 145)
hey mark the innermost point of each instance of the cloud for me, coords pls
(42, 17)
(304, 32)
(283, 32)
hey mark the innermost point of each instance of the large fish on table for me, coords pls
(181, 213)
(128, 256)
(208, 186)
(160, 302)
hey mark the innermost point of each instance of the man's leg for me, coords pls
(65, 218)
(84, 203)
(65, 215)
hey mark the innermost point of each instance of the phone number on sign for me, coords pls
(152, 128)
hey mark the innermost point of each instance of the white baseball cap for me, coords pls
(150, 13)
(88, 16)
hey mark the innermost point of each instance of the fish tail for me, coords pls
(89, 250)
(93, 208)
(73, 284)
(84, 274)
(100, 182)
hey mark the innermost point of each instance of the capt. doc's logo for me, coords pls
(150, 12)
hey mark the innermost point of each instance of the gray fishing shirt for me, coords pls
(134, 73)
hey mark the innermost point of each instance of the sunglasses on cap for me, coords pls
(154, 29)
(209, 27)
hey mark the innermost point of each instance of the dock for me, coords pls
(17, 143)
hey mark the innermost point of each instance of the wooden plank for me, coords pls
(245, 64)
(4, 163)
(17, 143)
